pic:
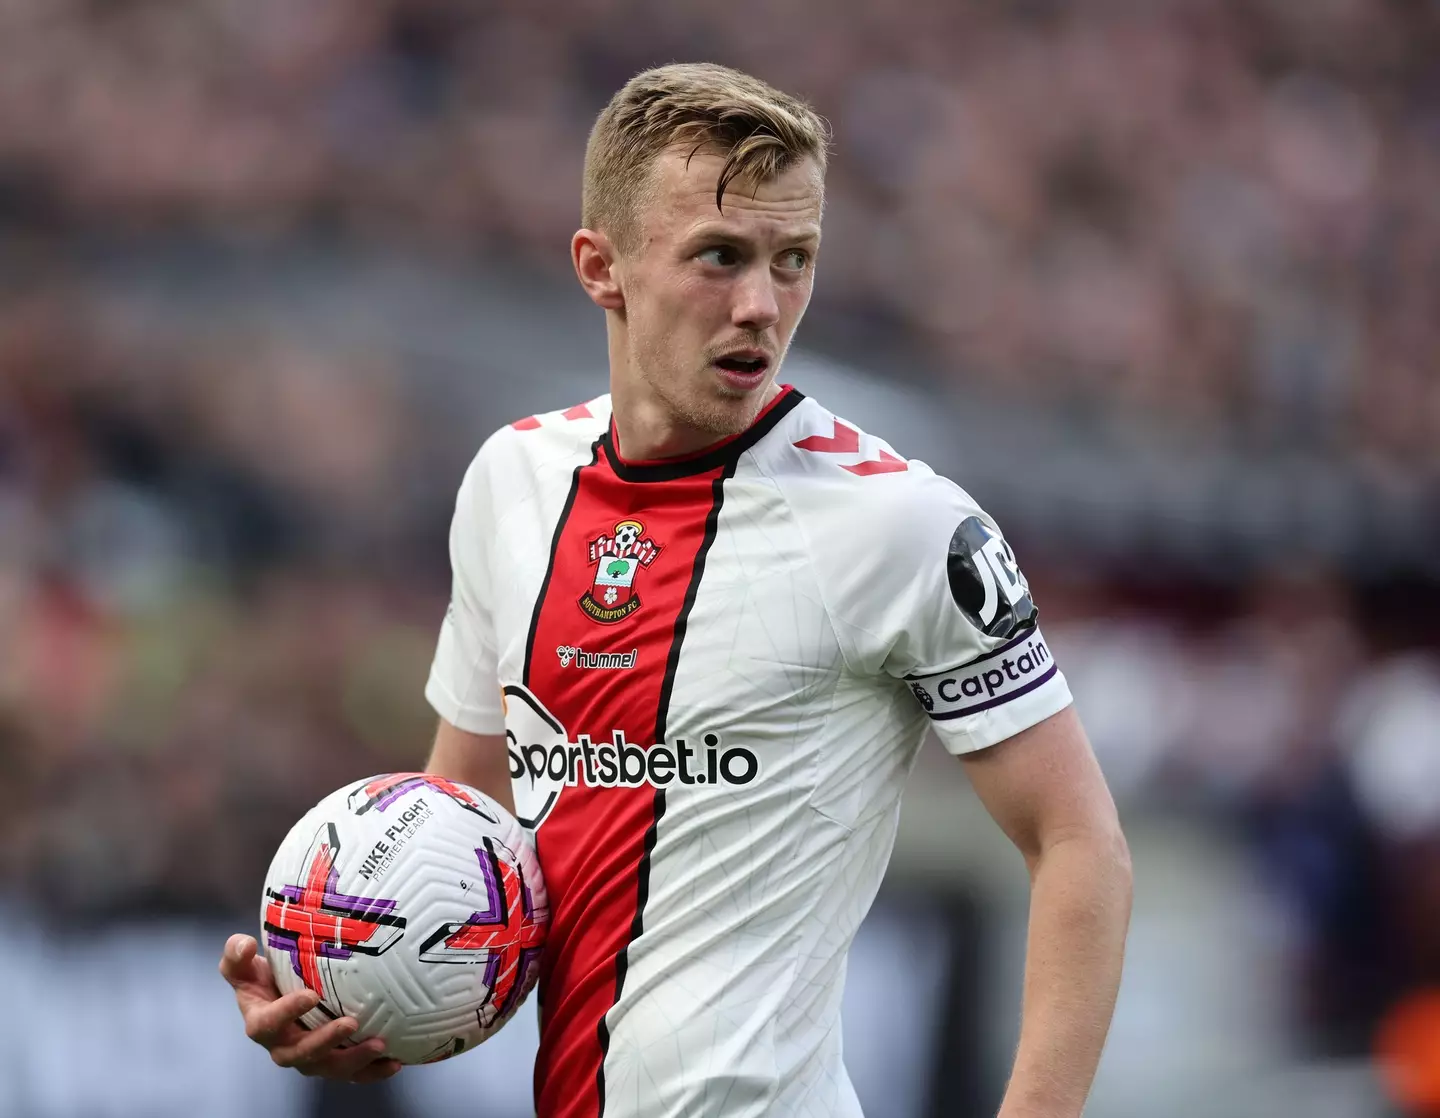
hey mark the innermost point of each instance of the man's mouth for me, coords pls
(745, 366)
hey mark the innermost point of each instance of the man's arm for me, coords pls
(479, 760)
(1045, 789)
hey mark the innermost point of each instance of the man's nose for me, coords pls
(756, 307)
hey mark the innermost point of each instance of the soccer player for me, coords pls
(700, 626)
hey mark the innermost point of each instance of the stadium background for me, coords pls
(1156, 281)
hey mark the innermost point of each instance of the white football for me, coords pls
(414, 905)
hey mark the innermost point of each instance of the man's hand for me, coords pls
(273, 1022)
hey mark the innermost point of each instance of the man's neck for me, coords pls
(646, 429)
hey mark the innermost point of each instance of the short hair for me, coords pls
(761, 131)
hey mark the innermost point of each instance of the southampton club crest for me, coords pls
(617, 558)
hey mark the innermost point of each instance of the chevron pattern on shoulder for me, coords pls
(845, 439)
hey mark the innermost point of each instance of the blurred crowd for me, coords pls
(1219, 210)
(1301, 716)
(218, 600)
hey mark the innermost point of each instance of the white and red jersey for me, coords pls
(715, 673)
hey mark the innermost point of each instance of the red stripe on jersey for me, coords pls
(594, 845)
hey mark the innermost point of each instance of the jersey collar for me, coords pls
(703, 461)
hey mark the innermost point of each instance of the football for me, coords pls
(414, 905)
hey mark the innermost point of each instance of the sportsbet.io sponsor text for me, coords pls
(622, 764)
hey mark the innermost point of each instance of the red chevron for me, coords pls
(845, 440)
(888, 464)
(531, 422)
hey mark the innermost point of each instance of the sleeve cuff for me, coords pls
(474, 718)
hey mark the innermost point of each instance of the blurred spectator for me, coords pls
(1221, 211)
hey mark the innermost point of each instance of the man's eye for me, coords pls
(720, 255)
(794, 260)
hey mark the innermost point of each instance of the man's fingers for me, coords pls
(314, 1044)
(348, 1063)
(273, 1021)
(235, 960)
(240, 946)
(265, 1021)
(249, 973)
(263, 975)
(380, 1069)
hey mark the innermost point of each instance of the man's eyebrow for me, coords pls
(713, 231)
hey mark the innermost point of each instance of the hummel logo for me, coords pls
(584, 659)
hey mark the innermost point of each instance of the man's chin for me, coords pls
(740, 406)
(723, 415)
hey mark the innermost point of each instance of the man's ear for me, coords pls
(594, 258)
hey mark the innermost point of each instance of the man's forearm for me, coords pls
(1079, 912)
(479, 760)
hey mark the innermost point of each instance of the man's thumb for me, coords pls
(239, 950)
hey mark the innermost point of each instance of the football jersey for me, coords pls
(714, 674)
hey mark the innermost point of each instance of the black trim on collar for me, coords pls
(727, 452)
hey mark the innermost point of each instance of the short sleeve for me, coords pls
(464, 686)
(934, 596)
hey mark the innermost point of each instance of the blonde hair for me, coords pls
(761, 131)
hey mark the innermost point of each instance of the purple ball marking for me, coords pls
(494, 890)
(361, 907)
(396, 792)
(528, 962)
(291, 946)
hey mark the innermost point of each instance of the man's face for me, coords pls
(712, 299)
